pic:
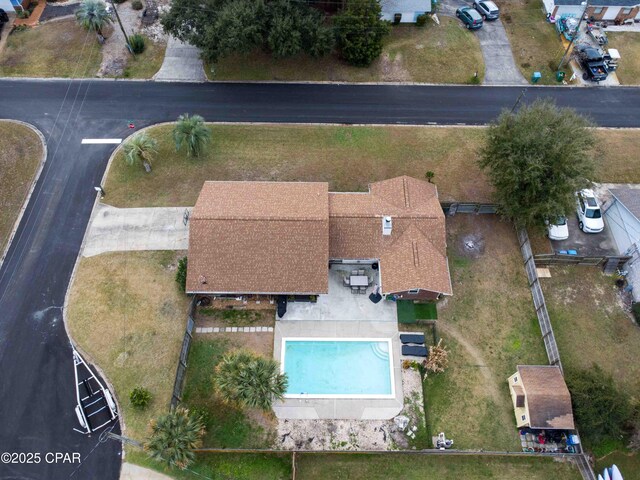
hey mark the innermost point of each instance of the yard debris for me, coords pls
(438, 358)
(402, 422)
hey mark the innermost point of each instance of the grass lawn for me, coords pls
(534, 41)
(349, 158)
(628, 43)
(146, 64)
(20, 155)
(55, 49)
(591, 327)
(409, 312)
(235, 318)
(225, 466)
(490, 326)
(227, 426)
(131, 328)
(447, 53)
(414, 467)
(346, 157)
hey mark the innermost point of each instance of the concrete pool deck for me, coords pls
(341, 408)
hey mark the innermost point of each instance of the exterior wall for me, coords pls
(621, 17)
(519, 412)
(624, 227)
(421, 295)
(569, 10)
(549, 6)
(407, 17)
(611, 13)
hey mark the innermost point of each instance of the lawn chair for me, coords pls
(354, 272)
(361, 272)
(354, 290)
(346, 282)
(363, 290)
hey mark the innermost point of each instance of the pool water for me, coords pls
(338, 368)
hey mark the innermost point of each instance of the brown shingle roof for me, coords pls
(414, 255)
(259, 237)
(548, 397)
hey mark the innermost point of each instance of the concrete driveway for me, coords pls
(500, 67)
(182, 63)
(589, 244)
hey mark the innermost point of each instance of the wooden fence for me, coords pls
(609, 263)
(178, 384)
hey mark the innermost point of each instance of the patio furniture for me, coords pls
(354, 290)
(414, 351)
(354, 272)
(412, 338)
(361, 271)
(345, 282)
(363, 290)
(359, 281)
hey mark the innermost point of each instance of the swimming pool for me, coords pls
(338, 368)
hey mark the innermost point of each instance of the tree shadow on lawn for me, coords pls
(227, 425)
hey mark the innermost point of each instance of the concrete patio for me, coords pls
(342, 305)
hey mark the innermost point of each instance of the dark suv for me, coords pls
(469, 17)
(487, 9)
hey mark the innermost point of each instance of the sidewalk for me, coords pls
(126, 229)
(182, 63)
(134, 472)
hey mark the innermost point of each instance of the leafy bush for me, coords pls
(24, 14)
(140, 397)
(137, 5)
(602, 411)
(173, 438)
(181, 274)
(421, 20)
(136, 41)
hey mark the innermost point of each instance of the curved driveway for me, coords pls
(36, 390)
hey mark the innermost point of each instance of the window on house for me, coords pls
(415, 290)
(515, 379)
(524, 417)
(520, 401)
(626, 11)
(597, 10)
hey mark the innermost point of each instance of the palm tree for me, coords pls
(250, 380)
(192, 132)
(93, 16)
(429, 175)
(173, 438)
(140, 149)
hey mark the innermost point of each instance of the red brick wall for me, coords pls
(622, 17)
(596, 16)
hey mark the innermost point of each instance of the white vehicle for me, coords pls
(559, 230)
(588, 211)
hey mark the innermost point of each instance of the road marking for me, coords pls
(101, 141)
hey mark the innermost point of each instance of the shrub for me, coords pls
(421, 20)
(137, 5)
(181, 274)
(140, 397)
(173, 438)
(24, 14)
(136, 41)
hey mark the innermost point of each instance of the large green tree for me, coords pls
(93, 16)
(250, 380)
(602, 411)
(222, 27)
(174, 435)
(360, 32)
(192, 133)
(536, 160)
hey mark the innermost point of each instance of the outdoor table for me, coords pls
(359, 281)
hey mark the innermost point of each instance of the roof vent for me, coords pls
(386, 225)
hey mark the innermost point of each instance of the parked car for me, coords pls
(469, 17)
(558, 229)
(588, 211)
(592, 63)
(487, 9)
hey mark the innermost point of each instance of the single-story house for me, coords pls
(610, 10)
(541, 399)
(622, 212)
(404, 11)
(10, 6)
(281, 238)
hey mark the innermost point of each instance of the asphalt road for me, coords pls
(36, 367)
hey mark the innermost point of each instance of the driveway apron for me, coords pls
(500, 67)
(182, 63)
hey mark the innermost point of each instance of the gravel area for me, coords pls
(356, 434)
(57, 10)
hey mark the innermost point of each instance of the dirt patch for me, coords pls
(393, 70)
(471, 245)
(260, 343)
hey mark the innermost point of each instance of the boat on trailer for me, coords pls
(96, 407)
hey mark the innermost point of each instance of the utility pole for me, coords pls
(573, 37)
(115, 10)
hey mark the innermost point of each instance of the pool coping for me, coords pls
(389, 343)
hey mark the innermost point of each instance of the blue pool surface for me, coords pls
(337, 367)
